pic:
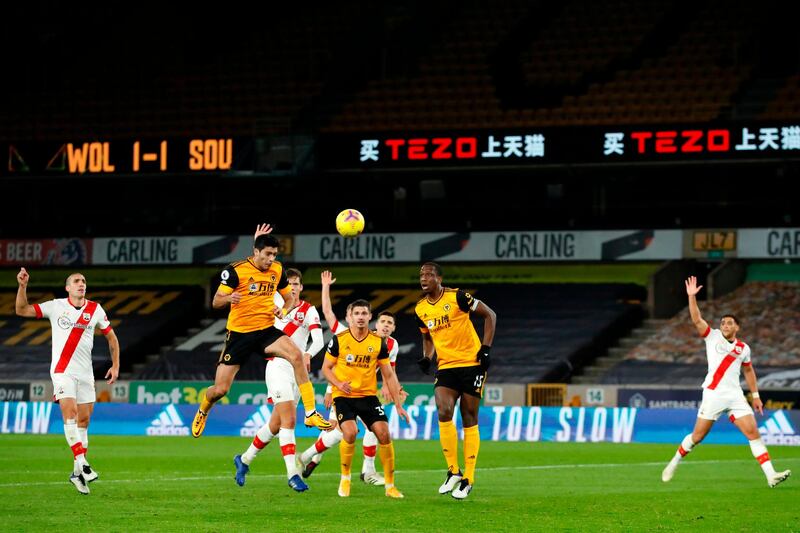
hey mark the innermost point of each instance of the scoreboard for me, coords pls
(133, 156)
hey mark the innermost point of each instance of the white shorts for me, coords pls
(281, 383)
(69, 386)
(715, 404)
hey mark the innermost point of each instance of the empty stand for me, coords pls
(143, 319)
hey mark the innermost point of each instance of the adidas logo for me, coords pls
(256, 420)
(778, 430)
(169, 423)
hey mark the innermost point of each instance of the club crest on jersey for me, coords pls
(370, 349)
(272, 278)
(86, 317)
(737, 350)
(300, 316)
(446, 308)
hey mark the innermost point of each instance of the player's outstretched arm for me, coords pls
(113, 348)
(262, 229)
(327, 279)
(22, 307)
(222, 300)
(428, 353)
(692, 288)
(752, 383)
(391, 381)
(327, 371)
(489, 322)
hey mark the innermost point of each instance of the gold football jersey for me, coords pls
(255, 311)
(447, 321)
(357, 362)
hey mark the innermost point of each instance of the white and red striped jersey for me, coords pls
(391, 342)
(725, 360)
(73, 334)
(299, 324)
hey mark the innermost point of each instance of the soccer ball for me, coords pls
(349, 223)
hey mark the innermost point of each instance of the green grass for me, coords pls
(181, 484)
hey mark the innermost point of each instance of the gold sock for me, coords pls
(448, 436)
(472, 443)
(206, 404)
(386, 453)
(307, 395)
(346, 450)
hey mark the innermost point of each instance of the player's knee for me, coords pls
(219, 391)
(469, 420)
(383, 436)
(445, 413)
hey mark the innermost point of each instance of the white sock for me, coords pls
(686, 446)
(762, 456)
(84, 433)
(74, 442)
(326, 440)
(262, 438)
(286, 438)
(370, 445)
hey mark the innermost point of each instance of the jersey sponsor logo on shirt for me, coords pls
(438, 323)
(65, 322)
(168, 423)
(723, 347)
(778, 430)
(360, 361)
(254, 423)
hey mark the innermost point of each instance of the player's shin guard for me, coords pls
(74, 442)
(84, 433)
(307, 396)
(261, 439)
(346, 450)
(370, 445)
(762, 456)
(386, 452)
(286, 439)
(472, 444)
(206, 404)
(686, 446)
(448, 436)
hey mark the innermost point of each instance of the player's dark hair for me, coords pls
(360, 303)
(70, 277)
(294, 273)
(437, 268)
(733, 317)
(266, 240)
(387, 313)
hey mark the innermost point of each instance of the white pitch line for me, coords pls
(435, 470)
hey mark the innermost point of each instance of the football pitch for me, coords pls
(181, 484)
